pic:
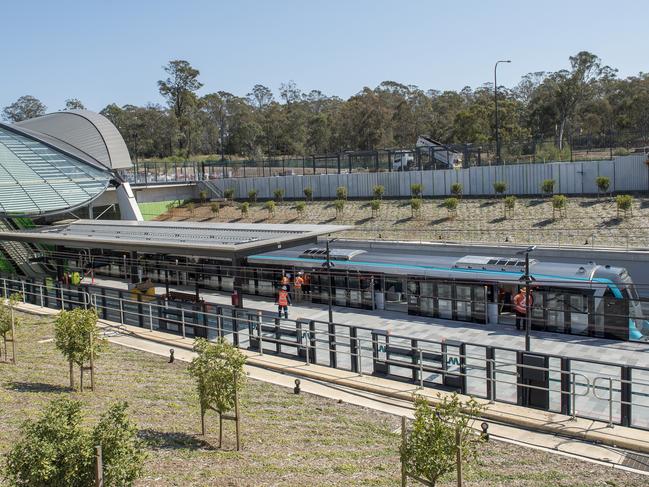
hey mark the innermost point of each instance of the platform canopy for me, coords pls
(40, 177)
(220, 240)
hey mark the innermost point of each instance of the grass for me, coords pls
(288, 440)
(477, 219)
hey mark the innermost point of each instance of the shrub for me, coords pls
(279, 194)
(339, 205)
(252, 195)
(191, 207)
(603, 183)
(301, 208)
(341, 193)
(456, 189)
(8, 323)
(415, 206)
(509, 204)
(500, 187)
(624, 203)
(376, 206)
(547, 186)
(451, 206)
(378, 191)
(416, 190)
(203, 196)
(228, 193)
(244, 208)
(308, 192)
(270, 206)
(559, 203)
(215, 208)
(430, 448)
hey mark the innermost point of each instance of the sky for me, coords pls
(114, 51)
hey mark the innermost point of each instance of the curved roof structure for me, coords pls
(87, 131)
(41, 175)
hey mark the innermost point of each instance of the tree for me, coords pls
(215, 208)
(300, 207)
(8, 324)
(376, 206)
(218, 371)
(191, 206)
(244, 208)
(431, 447)
(203, 196)
(252, 195)
(415, 207)
(228, 193)
(339, 205)
(456, 189)
(624, 203)
(308, 192)
(378, 191)
(260, 96)
(57, 451)
(279, 195)
(74, 104)
(603, 184)
(416, 190)
(559, 203)
(451, 206)
(547, 186)
(509, 203)
(270, 206)
(341, 192)
(24, 108)
(500, 187)
(76, 336)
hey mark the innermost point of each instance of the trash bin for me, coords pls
(235, 298)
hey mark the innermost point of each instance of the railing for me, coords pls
(614, 393)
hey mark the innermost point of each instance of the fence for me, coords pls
(629, 173)
(614, 393)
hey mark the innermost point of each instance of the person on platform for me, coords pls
(298, 284)
(283, 302)
(520, 308)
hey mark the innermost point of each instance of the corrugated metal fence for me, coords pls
(628, 173)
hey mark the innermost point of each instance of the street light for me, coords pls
(327, 264)
(528, 281)
(496, 102)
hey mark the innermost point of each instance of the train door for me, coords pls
(445, 300)
(426, 299)
(340, 290)
(395, 294)
(463, 303)
(578, 313)
(616, 316)
(555, 311)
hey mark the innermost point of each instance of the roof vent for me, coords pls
(483, 262)
(334, 254)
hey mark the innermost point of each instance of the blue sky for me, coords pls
(113, 51)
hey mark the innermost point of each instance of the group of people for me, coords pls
(301, 286)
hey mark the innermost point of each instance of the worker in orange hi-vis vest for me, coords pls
(283, 301)
(298, 282)
(520, 307)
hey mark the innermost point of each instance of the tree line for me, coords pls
(585, 98)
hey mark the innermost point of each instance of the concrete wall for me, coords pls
(628, 173)
(152, 193)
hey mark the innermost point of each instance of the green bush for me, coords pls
(215, 208)
(603, 184)
(270, 206)
(308, 192)
(451, 205)
(191, 207)
(456, 189)
(341, 193)
(416, 190)
(279, 194)
(415, 206)
(548, 151)
(339, 205)
(559, 203)
(624, 204)
(547, 186)
(500, 187)
(378, 191)
(300, 207)
(509, 204)
(228, 193)
(244, 208)
(203, 196)
(375, 205)
(252, 195)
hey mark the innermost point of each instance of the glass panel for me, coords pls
(463, 303)
(445, 305)
(578, 314)
(556, 316)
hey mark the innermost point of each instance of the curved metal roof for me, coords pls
(88, 132)
(38, 177)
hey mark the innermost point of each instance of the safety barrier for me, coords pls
(618, 394)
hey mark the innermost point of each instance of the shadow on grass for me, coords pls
(261, 220)
(235, 220)
(403, 220)
(292, 220)
(500, 219)
(536, 202)
(37, 387)
(364, 220)
(437, 221)
(611, 222)
(163, 440)
(543, 223)
(332, 219)
(589, 203)
(488, 203)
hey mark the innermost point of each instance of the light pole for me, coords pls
(331, 329)
(527, 277)
(496, 103)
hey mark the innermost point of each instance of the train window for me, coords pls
(502, 262)
(492, 262)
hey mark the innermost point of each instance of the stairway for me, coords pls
(18, 254)
(212, 188)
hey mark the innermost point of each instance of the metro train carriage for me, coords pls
(576, 298)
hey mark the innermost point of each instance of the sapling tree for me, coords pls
(375, 205)
(509, 203)
(603, 183)
(500, 187)
(203, 196)
(218, 371)
(279, 195)
(416, 190)
(339, 205)
(451, 206)
(547, 186)
(624, 203)
(559, 203)
(215, 207)
(244, 208)
(415, 207)
(56, 450)
(270, 207)
(430, 449)
(308, 193)
(76, 336)
(300, 207)
(8, 323)
(456, 189)
(341, 192)
(252, 195)
(378, 191)
(191, 207)
(228, 193)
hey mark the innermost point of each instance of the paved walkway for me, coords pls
(616, 352)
